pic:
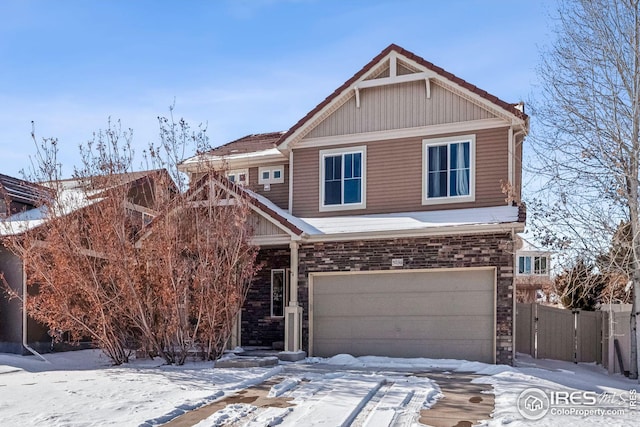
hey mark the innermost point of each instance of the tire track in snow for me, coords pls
(332, 400)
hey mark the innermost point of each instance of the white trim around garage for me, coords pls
(313, 275)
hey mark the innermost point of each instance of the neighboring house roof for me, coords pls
(21, 191)
(527, 246)
(73, 195)
(259, 147)
(510, 108)
(248, 144)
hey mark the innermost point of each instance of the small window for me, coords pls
(538, 265)
(524, 265)
(271, 174)
(240, 176)
(147, 218)
(279, 292)
(343, 179)
(448, 170)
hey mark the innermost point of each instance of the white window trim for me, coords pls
(472, 173)
(271, 179)
(285, 291)
(237, 172)
(147, 218)
(343, 207)
(533, 273)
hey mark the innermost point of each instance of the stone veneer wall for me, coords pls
(495, 250)
(258, 327)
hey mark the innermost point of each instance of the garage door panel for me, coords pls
(380, 283)
(438, 314)
(404, 303)
(403, 327)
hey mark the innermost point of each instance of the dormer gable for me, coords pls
(389, 80)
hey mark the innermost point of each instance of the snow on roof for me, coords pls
(394, 221)
(70, 200)
(413, 220)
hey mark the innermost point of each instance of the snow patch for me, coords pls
(281, 388)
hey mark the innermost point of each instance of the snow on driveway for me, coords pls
(80, 389)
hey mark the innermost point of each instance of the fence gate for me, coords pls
(555, 333)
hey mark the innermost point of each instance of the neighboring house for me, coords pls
(19, 199)
(382, 218)
(533, 272)
(28, 212)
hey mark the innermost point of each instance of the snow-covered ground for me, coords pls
(81, 389)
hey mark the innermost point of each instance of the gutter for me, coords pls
(24, 316)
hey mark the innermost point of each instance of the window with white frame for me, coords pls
(449, 170)
(342, 178)
(271, 174)
(239, 176)
(533, 265)
(279, 291)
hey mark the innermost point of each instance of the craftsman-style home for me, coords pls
(386, 217)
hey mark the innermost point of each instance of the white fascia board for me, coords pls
(426, 232)
(255, 158)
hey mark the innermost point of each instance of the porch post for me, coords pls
(293, 312)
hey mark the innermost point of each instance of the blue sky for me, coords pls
(241, 66)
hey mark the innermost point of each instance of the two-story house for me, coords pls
(382, 218)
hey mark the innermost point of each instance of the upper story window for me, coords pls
(239, 176)
(536, 265)
(342, 178)
(449, 170)
(271, 174)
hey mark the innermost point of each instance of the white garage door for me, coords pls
(435, 314)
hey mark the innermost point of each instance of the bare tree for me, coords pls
(125, 259)
(587, 138)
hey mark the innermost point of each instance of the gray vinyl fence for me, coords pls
(554, 333)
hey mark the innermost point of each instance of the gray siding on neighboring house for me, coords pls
(394, 175)
(11, 311)
(490, 250)
(398, 106)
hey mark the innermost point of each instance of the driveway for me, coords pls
(334, 395)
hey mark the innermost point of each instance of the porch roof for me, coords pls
(392, 222)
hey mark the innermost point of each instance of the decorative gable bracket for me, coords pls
(394, 78)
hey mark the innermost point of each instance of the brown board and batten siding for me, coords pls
(278, 193)
(263, 227)
(399, 106)
(394, 175)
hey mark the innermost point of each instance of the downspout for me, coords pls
(514, 338)
(24, 315)
(290, 182)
